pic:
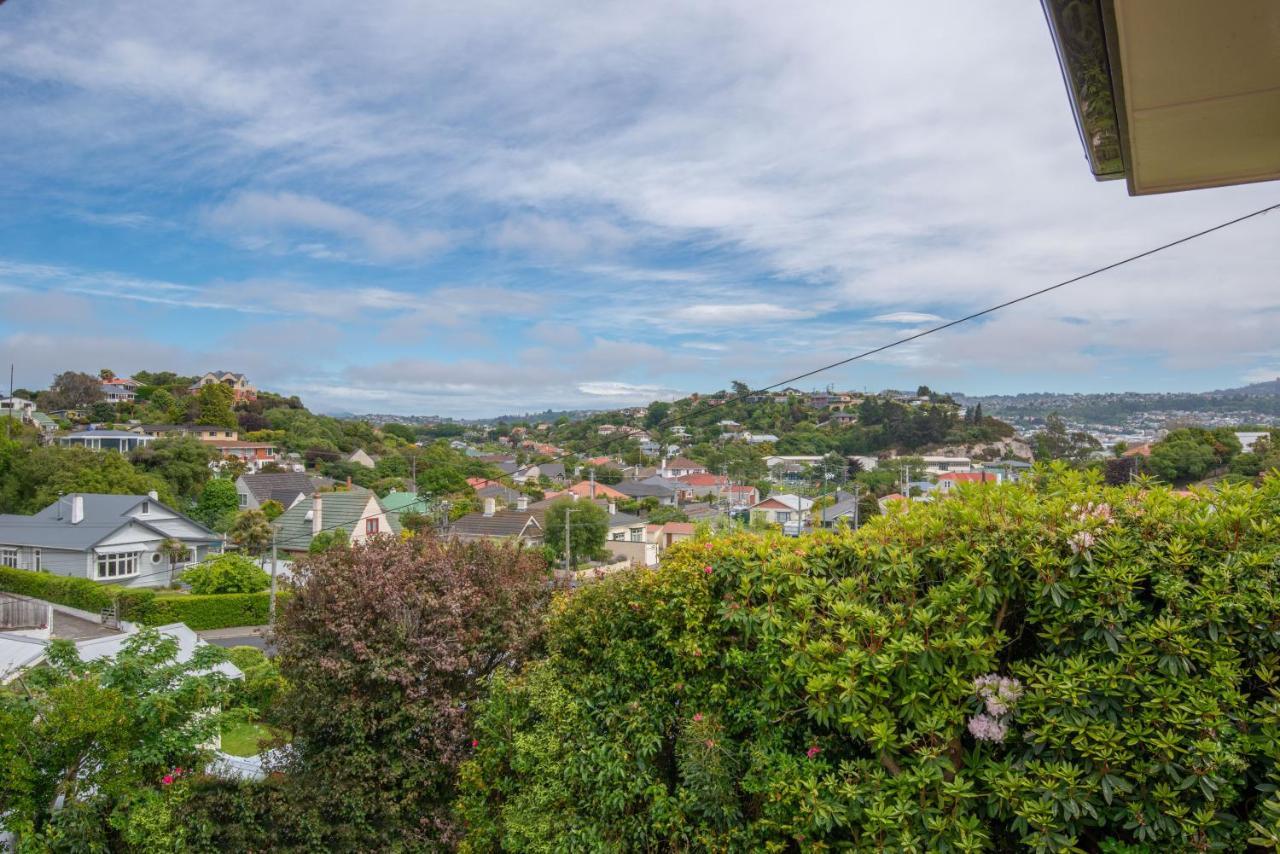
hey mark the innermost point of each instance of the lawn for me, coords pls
(241, 738)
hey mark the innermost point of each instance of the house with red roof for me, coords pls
(949, 481)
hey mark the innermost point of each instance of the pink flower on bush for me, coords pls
(813, 751)
(697, 718)
(475, 742)
(999, 694)
(167, 779)
(986, 728)
(707, 569)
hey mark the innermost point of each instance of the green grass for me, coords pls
(241, 738)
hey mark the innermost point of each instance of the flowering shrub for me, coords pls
(1051, 667)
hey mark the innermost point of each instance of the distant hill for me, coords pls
(1255, 401)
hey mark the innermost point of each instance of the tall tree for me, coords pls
(213, 405)
(72, 390)
(182, 462)
(387, 647)
(218, 503)
(588, 525)
(251, 531)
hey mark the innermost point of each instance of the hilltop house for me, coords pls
(107, 538)
(20, 407)
(360, 458)
(204, 432)
(120, 390)
(359, 515)
(287, 488)
(254, 454)
(678, 467)
(123, 441)
(238, 383)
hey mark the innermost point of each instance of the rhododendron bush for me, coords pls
(1052, 666)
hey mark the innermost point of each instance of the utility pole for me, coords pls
(271, 607)
(568, 545)
(8, 424)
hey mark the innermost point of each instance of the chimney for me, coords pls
(613, 509)
(490, 506)
(77, 509)
(348, 483)
(317, 517)
(153, 495)
(522, 503)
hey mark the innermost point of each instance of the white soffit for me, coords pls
(1201, 91)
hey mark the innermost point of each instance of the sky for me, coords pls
(470, 209)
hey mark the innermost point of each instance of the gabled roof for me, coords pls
(684, 463)
(968, 477)
(703, 479)
(501, 525)
(644, 489)
(396, 501)
(262, 486)
(785, 501)
(103, 516)
(337, 510)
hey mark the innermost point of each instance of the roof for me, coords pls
(582, 489)
(398, 502)
(619, 520)
(102, 434)
(684, 463)
(240, 443)
(263, 486)
(968, 477)
(644, 489)
(501, 525)
(679, 528)
(18, 653)
(844, 507)
(1138, 451)
(786, 501)
(337, 510)
(703, 479)
(103, 516)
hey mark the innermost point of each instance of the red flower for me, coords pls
(167, 779)
(475, 742)
(813, 751)
(697, 717)
(707, 569)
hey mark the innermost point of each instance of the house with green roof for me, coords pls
(398, 501)
(358, 514)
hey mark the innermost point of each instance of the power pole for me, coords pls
(8, 424)
(271, 607)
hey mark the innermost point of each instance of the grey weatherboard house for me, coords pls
(109, 538)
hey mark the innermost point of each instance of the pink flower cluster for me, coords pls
(172, 776)
(813, 751)
(1089, 511)
(1081, 541)
(999, 694)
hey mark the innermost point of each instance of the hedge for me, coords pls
(214, 611)
(218, 611)
(64, 590)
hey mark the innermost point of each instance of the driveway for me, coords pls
(254, 636)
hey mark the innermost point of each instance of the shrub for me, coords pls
(262, 681)
(217, 611)
(228, 573)
(1045, 668)
(64, 590)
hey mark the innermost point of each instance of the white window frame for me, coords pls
(9, 557)
(637, 535)
(116, 565)
(37, 560)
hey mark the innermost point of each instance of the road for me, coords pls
(253, 636)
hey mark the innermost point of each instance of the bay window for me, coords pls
(118, 565)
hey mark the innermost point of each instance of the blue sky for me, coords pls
(470, 209)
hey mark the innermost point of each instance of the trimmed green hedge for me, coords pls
(73, 592)
(215, 611)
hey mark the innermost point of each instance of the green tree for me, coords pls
(102, 413)
(1056, 442)
(108, 738)
(227, 573)
(251, 530)
(272, 509)
(587, 529)
(72, 390)
(1191, 453)
(212, 405)
(218, 503)
(663, 515)
(442, 480)
(32, 477)
(327, 541)
(183, 463)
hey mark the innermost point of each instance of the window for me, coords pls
(9, 557)
(243, 498)
(370, 526)
(118, 565)
(36, 560)
(784, 517)
(146, 507)
(156, 557)
(618, 536)
(637, 535)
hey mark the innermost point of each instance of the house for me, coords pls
(120, 390)
(845, 508)
(638, 489)
(893, 499)
(1011, 471)
(678, 467)
(360, 458)
(1249, 438)
(760, 438)
(782, 509)
(203, 432)
(673, 532)
(936, 465)
(948, 483)
(123, 441)
(254, 454)
(238, 383)
(359, 515)
(591, 489)
(109, 538)
(1171, 96)
(396, 501)
(287, 488)
(1138, 451)
(17, 407)
(19, 654)
(46, 424)
(843, 419)
(702, 483)
(519, 524)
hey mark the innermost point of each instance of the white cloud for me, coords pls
(908, 318)
(730, 314)
(256, 215)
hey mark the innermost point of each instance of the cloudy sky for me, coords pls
(404, 206)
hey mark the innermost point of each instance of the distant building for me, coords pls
(238, 383)
(120, 390)
(203, 432)
(123, 441)
(286, 488)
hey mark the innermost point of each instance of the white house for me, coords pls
(114, 539)
(19, 406)
(936, 465)
(783, 509)
(123, 441)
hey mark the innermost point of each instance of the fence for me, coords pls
(16, 613)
